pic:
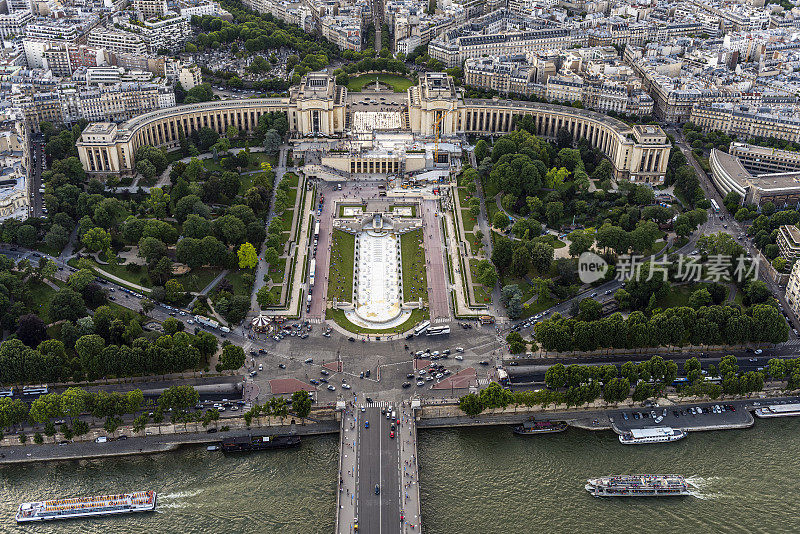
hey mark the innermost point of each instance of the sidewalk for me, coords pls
(346, 502)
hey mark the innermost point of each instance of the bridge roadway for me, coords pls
(370, 457)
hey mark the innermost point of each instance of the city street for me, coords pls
(378, 491)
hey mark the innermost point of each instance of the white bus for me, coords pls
(714, 206)
(6, 392)
(312, 271)
(438, 331)
(421, 328)
(35, 390)
(316, 230)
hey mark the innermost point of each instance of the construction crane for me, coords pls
(437, 130)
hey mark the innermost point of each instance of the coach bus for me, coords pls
(421, 328)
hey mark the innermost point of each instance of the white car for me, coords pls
(459, 349)
(758, 351)
(459, 357)
(189, 321)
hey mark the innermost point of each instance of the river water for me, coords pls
(476, 480)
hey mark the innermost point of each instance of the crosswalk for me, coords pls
(378, 404)
(792, 343)
(483, 382)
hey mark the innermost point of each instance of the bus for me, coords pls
(35, 390)
(312, 271)
(316, 230)
(714, 205)
(421, 328)
(6, 392)
(438, 331)
(486, 319)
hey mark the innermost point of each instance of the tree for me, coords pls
(57, 237)
(581, 241)
(78, 280)
(554, 211)
(232, 357)
(481, 150)
(74, 402)
(171, 325)
(26, 235)
(500, 220)
(67, 305)
(31, 330)
(271, 256)
(301, 404)
(248, 258)
(470, 404)
(96, 239)
(272, 142)
(265, 297)
(556, 376)
(151, 249)
(486, 273)
(516, 344)
(589, 309)
(174, 290)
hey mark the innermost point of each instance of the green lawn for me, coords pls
(41, 295)
(415, 280)
(339, 318)
(553, 241)
(129, 273)
(398, 83)
(467, 218)
(276, 272)
(482, 294)
(677, 296)
(340, 273)
(239, 287)
(41, 247)
(287, 217)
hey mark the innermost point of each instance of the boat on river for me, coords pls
(259, 443)
(638, 486)
(659, 434)
(121, 503)
(540, 427)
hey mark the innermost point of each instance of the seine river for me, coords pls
(480, 480)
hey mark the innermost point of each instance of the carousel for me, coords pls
(260, 324)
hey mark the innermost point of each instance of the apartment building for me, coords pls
(789, 242)
(745, 120)
(190, 76)
(147, 9)
(117, 41)
(14, 23)
(343, 31)
(14, 178)
(793, 289)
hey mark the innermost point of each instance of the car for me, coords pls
(421, 372)
(391, 434)
(331, 387)
(281, 366)
(406, 385)
(315, 382)
(366, 424)
(388, 414)
(253, 353)
(593, 295)
(410, 375)
(363, 408)
(260, 367)
(351, 339)
(459, 357)
(323, 380)
(122, 437)
(676, 413)
(420, 383)
(377, 489)
(345, 386)
(439, 376)
(101, 439)
(758, 351)
(309, 360)
(625, 415)
(325, 372)
(483, 362)
(253, 373)
(429, 378)
(361, 375)
(211, 431)
(366, 373)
